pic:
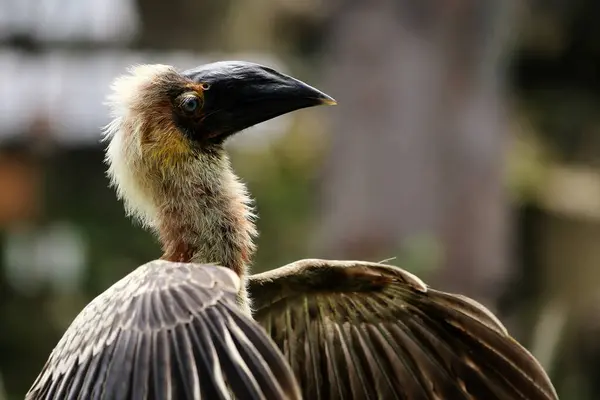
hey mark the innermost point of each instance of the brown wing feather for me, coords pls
(166, 331)
(358, 330)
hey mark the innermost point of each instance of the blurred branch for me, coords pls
(573, 191)
(548, 333)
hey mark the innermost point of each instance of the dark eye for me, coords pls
(205, 86)
(190, 104)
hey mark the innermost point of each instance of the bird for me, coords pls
(196, 324)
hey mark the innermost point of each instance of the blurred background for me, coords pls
(465, 146)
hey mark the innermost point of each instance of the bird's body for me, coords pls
(179, 328)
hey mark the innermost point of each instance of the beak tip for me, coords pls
(328, 101)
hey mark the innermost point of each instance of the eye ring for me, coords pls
(205, 86)
(190, 104)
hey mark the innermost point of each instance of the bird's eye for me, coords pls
(205, 86)
(190, 104)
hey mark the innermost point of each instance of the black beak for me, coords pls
(242, 94)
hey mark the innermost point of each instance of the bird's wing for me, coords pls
(359, 330)
(166, 331)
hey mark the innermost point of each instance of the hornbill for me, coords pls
(195, 324)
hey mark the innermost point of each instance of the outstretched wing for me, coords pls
(166, 331)
(359, 330)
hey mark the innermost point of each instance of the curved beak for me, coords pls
(242, 94)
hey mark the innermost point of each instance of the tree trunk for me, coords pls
(418, 139)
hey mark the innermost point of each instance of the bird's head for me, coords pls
(164, 120)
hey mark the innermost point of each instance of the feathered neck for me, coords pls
(194, 202)
(204, 214)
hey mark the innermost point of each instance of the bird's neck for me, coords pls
(206, 215)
